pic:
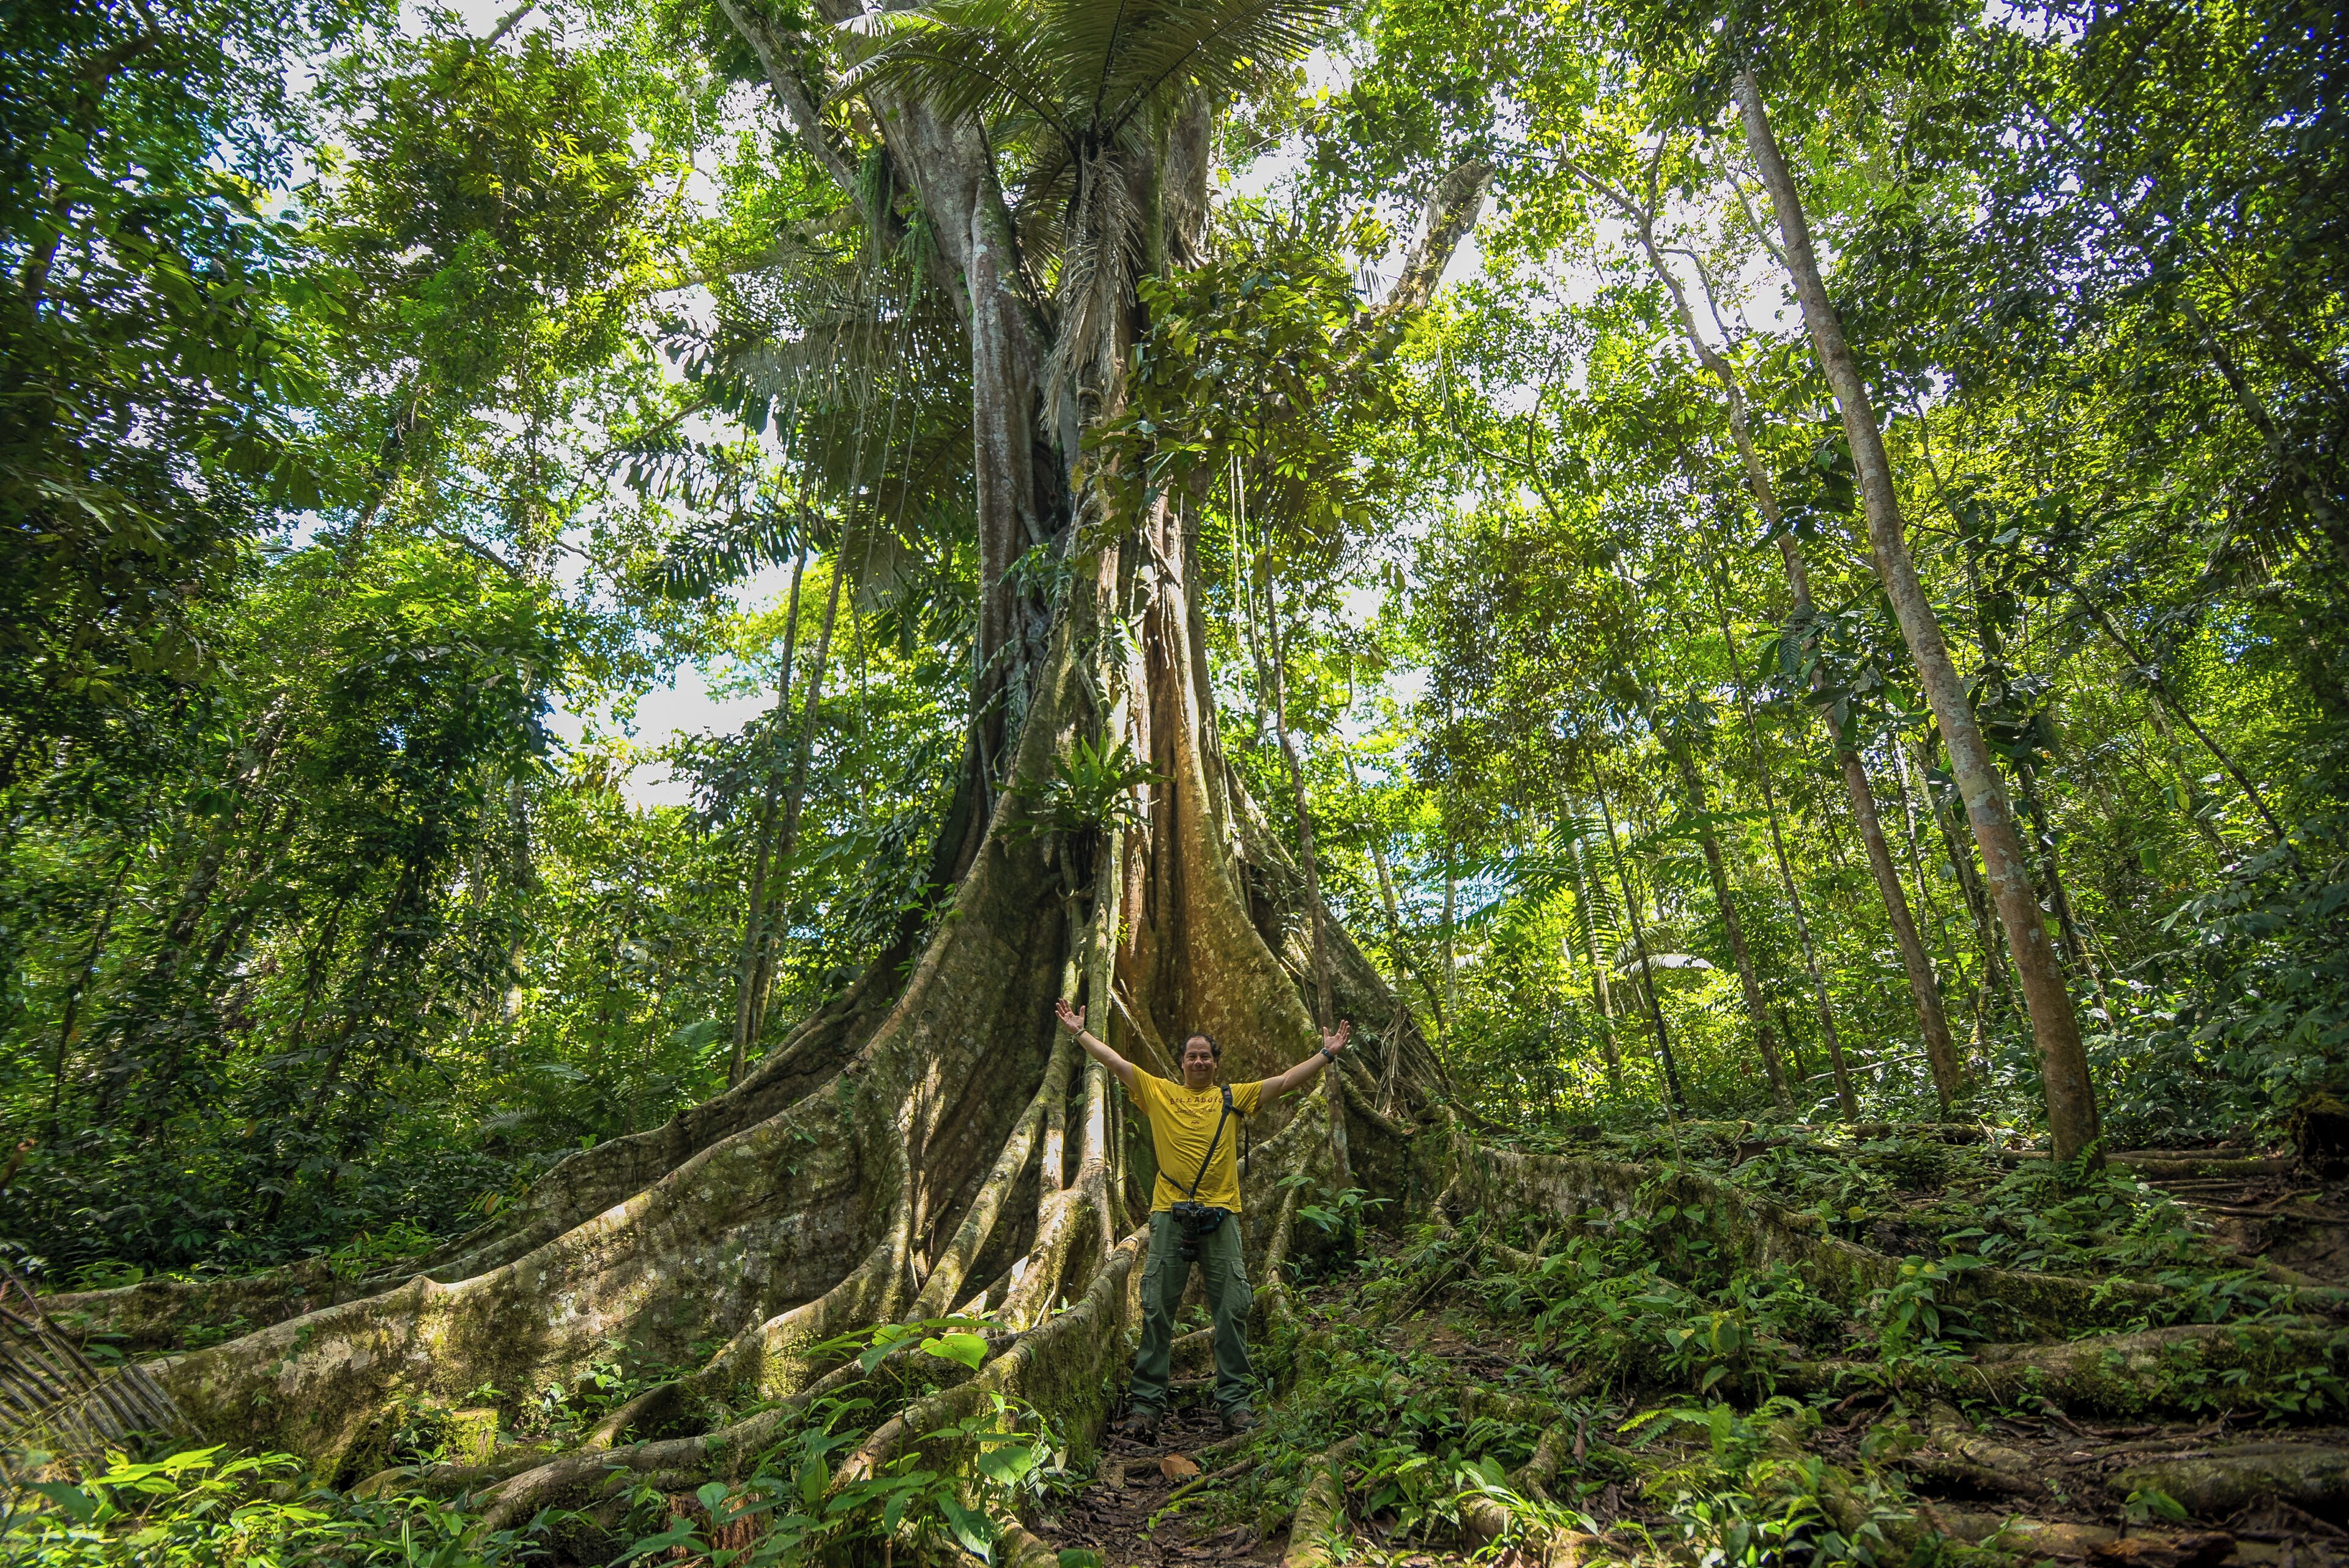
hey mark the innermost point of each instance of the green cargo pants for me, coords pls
(1228, 1297)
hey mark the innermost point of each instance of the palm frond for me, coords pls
(1219, 47)
(1536, 877)
(979, 58)
(1097, 269)
(52, 1397)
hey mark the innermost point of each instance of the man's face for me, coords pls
(1198, 1062)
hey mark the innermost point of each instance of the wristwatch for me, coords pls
(1327, 1054)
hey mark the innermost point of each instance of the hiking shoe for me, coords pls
(1142, 1425)
(1238, 1421)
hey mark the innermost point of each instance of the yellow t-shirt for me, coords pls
(1181, 1122)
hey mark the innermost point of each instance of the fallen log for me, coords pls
(2032, 1539)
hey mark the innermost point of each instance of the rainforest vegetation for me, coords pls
(1757, 591)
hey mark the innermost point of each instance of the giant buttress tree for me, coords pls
(926, 1141)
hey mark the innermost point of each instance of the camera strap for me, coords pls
(1191, 1191)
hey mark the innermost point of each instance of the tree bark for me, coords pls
(2072, 1116)
(80, 988)
(1296, 765)
(2068, 923)
(1846, 1099)
(865, 1170)
(2164, 698)
(1393, 909)
(1900, 781)
(1924, 987)
(1962, 862)
(1599, 990)
(788, 840)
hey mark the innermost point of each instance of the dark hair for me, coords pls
(1203, 1034)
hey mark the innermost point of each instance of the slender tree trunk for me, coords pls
(754, 931)
(811, 716)
(80, 988)
(2165, 698)
(1393, 909)
(1244, 588)
(273, 839)
(2191, 798)
(2072, 1116)
(1324, 1013)
(1323, 1004)
(1646, 990)
(1794, 1044)
(2068, 923)
(1731, 925)
(522, 867)
(1599, 990)
(1846, 1100)
(353, 1010)
(1924, 990)
(1451, 966)
(158, 1000)
(1924, 987)
(1925, 905)
(1977, 907)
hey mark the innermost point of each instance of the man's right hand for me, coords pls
(1072, 1019)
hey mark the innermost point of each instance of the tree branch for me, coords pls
(1452, 211)
(798, 103)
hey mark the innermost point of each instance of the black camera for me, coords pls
(1193, 1219)
(1197, 1221)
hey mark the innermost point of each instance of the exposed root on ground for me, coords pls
(2186, 1369)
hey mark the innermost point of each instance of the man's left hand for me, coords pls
(1335, 1043)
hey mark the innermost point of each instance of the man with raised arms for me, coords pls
(1194, 1210)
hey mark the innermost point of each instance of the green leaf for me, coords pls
(967, 1348)
(77, 1503)
(974, 1529)
(1007, 1462)
(678, 1533)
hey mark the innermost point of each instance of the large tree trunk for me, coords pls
(873, 1168)
(2072, 1118)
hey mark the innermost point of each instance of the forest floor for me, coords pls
(1712, 1345)
(1436, 1380)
